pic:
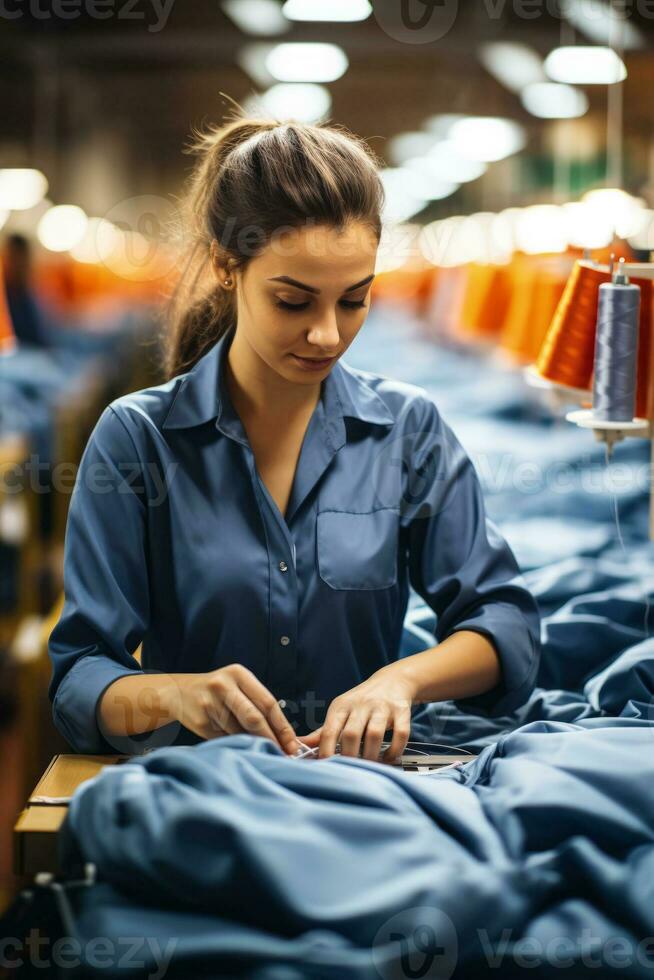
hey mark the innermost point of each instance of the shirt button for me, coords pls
(283, 567)
(284, 640)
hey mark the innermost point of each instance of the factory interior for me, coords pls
(377, 627)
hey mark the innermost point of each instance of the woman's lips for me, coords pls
(313, 363)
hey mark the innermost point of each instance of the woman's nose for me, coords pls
(324, 333)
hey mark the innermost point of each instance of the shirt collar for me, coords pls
(202, 394)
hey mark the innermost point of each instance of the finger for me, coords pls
(375, 731)
(250, 717)
(267, 703)
(401, 731)
(331, 731)
(313, 738)
(352, 733)
(283, 729)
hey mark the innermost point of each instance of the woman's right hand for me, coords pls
(231, 700)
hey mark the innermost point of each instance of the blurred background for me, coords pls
(516, 140)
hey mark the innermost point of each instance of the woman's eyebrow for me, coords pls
(312, 289)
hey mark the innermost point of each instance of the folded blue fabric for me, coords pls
(549, 816)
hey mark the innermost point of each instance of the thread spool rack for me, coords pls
(559, 396)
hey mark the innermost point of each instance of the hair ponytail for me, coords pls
(253, 177)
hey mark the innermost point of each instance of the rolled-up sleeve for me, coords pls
(462, 566)
(106, 592)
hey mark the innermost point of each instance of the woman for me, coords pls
(262, 513)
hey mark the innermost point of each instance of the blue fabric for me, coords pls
(173, 540)
(543, 847)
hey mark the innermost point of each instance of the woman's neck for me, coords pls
(259, 393)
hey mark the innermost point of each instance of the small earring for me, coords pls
(228, 282)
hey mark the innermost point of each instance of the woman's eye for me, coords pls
(347, 304)
(353, 304)
(291, 306)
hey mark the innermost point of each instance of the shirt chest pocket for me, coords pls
(358, 551)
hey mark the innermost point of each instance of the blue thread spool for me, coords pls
(616, 349)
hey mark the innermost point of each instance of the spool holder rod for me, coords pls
(612, 432)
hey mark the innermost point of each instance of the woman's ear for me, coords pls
(220, 266)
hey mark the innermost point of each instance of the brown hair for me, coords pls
(253, 178)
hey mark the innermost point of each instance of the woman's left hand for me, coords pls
(365, 713)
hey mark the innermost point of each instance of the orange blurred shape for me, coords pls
(405, 287)
(7, 336)
(538, 283)
(425, 287)
(568, 349)
(443, 311)
(69, 287)
(486, 300)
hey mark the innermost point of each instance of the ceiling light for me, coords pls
(252, 59)
(62, 227)
(541, 228)
(554, 100)
(259, 17)
(600, 23)
(307, 62)
(100, 241)
(402, 199)
(332, 10)
(441, 124)
(621, 209)
(430, 187)
(454, 241)
(302, 102)
(587, 226)
(446, 166)
(398, 246)
(21, 188)
(512, 65)
(643, 237)
(404, 146)
(487, 138)
(585, 66)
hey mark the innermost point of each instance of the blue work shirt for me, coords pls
(173, 540)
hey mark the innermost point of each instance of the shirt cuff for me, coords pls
(76, 700)
(519, 656)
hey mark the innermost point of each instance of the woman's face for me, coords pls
(307, 296)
